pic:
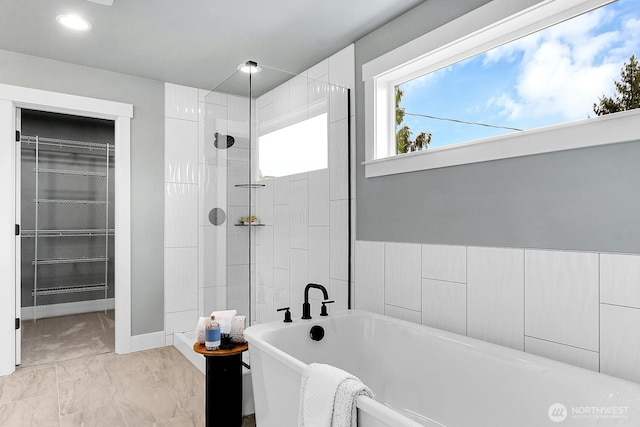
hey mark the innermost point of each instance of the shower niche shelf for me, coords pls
(254, 185)
(71, 233)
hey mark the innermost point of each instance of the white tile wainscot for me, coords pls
(581, 307)
(402, 275)
(619, 282)
(444, 305)
(369, 283)
(575, 356)
(495, 296)
(442, 262)
(620, 342)
(402, 313)
(561, 297)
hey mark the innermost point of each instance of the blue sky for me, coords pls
(550, 77)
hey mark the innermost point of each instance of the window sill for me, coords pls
(609, 129)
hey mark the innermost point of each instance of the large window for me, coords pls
(498, 91)
(555, 75)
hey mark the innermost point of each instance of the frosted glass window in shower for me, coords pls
(301, 147)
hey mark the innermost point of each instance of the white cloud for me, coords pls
(565, 68)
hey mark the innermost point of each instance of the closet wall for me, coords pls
(84, 179)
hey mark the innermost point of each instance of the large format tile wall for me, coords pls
(581, 308)
(197, 179)
(181, 209)
(305, 238)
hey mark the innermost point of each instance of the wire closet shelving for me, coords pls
(63, 210)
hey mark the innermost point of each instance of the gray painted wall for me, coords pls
(147, 164)
(585, 199)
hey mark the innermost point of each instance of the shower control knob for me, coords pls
(287, 314)
(323, 309)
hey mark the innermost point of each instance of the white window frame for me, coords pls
(491, 25)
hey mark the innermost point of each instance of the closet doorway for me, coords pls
(65, 193)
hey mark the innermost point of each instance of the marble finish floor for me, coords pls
(55, 339)
(156, 387)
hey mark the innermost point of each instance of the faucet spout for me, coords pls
(306, 307)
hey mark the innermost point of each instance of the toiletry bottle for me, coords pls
(212, 334)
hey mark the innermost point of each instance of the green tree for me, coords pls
(627, 95)
(404, 143)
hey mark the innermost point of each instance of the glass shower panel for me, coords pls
(302, 138)
(264, 237)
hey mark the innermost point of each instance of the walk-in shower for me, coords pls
(275, 185)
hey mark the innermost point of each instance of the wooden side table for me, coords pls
(223, 385)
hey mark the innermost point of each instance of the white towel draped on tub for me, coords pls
(328, 397)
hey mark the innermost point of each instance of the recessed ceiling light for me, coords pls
(249, 67)
(74, 22)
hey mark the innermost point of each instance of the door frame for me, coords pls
(18, 242)
(11, 98)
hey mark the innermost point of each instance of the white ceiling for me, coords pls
(196, 43)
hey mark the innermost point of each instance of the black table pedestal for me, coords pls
(223, 385)
(224, 391)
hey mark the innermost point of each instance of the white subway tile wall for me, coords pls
(576, 307)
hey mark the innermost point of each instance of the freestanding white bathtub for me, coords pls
(424, 376)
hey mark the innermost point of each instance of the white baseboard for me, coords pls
(65, 309)
(147, 341)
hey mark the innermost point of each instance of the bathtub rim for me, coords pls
(258, 331)
(256, 336)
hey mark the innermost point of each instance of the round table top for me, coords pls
(237, 349)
